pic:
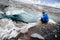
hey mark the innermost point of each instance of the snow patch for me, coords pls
(52, 21)
(7, 29)
(36, 35)
(26, 27)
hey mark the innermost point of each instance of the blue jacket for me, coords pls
(45, 16)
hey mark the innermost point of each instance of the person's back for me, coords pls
(44, 18)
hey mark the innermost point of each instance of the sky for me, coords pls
(49, 1)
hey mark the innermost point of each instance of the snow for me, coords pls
(1, 12)
(13, 34)
(36, 35)
(26, 27)
(9, 30)
(52, 21)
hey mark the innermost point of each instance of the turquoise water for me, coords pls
(29, 16)
(25, 15)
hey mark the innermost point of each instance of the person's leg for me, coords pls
(42, 20)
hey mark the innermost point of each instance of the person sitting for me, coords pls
(44, 18)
